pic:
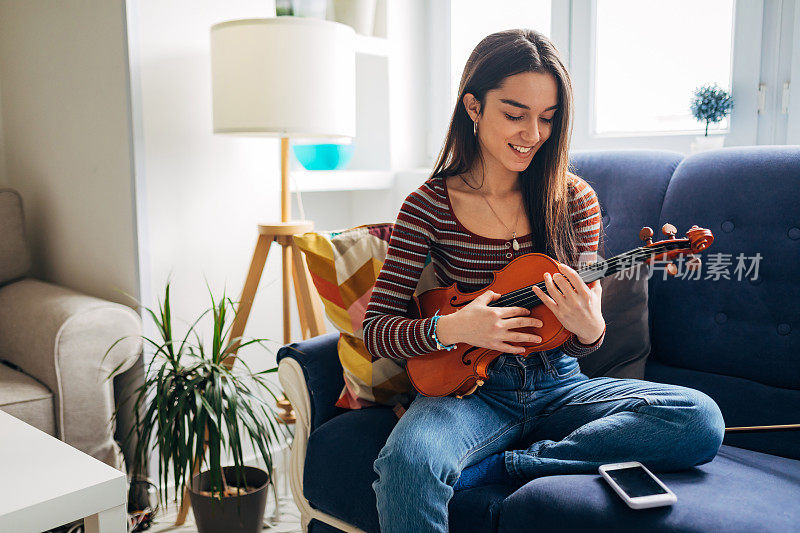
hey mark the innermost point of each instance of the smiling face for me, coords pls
(516, 121)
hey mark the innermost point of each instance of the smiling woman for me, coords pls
(505, 154)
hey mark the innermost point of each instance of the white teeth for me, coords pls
(521, 149)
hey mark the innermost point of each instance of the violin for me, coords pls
(462, 370)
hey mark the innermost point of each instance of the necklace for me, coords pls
(514, 242)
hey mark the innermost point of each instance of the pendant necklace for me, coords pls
(514, 243)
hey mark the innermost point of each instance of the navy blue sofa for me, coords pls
(736, 340)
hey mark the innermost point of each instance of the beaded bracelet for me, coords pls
(432, 332)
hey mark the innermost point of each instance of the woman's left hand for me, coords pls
(574, 303)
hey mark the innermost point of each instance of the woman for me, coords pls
(506, 153)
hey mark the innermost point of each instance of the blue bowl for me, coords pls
(323, 156)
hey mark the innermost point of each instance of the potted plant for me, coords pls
(196, 410)
(710, 103)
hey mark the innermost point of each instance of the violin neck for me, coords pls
(608, 267)
(589, 273)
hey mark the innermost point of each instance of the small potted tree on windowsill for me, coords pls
(710, 104)
(196, 410)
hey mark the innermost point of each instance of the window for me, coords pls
(635, 64)
(472, 20)
(650, 56)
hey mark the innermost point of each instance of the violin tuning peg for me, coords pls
(646, 235)
(672, 269)
(480, 383)
(669, 229)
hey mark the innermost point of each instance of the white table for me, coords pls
(45, 483)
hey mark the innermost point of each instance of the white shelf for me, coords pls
(375, 46)
(341, 180)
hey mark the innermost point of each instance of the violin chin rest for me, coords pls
(473, 389)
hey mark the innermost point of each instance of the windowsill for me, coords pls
(341, 180)
(357, 179)
(636, 135)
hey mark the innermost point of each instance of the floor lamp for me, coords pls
(287, 77)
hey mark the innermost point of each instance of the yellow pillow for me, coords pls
(344, 266)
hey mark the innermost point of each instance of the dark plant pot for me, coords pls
(234, 514)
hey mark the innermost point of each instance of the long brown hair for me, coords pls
(544, 184)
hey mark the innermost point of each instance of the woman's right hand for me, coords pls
(478, 324)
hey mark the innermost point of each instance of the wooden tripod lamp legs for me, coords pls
(294, 265)
(308, 306)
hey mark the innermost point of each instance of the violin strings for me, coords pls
(525, 296)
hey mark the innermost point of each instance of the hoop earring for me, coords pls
(475, 128)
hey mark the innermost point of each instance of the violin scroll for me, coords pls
(700, 238)
(697, 239)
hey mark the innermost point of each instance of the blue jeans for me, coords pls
(549, 418)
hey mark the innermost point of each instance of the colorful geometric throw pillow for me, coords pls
(344, 266)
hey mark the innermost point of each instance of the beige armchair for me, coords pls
(52, 343)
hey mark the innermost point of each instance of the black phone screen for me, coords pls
(635, 481)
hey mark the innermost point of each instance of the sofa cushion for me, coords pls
(315, 526)
(25, 398)
(740, 490)
(626, 345)
(630, 185)
(14, 255)
(338, 474)
(734, 323)
(742, 407)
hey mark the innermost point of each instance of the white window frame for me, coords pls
(779, 65)
(793, 126)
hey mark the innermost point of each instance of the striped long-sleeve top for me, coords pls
(426, 223)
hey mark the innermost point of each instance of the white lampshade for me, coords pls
(283, 76)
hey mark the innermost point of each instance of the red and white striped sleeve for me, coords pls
(387, 332)
(584, 210)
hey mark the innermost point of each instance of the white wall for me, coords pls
(203, 194)
(66, 139)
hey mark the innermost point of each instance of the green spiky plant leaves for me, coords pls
(189, 391)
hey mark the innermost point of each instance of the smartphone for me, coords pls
(636, 485)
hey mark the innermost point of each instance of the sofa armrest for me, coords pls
(60, 336)
(312, 379)
(318, 358)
